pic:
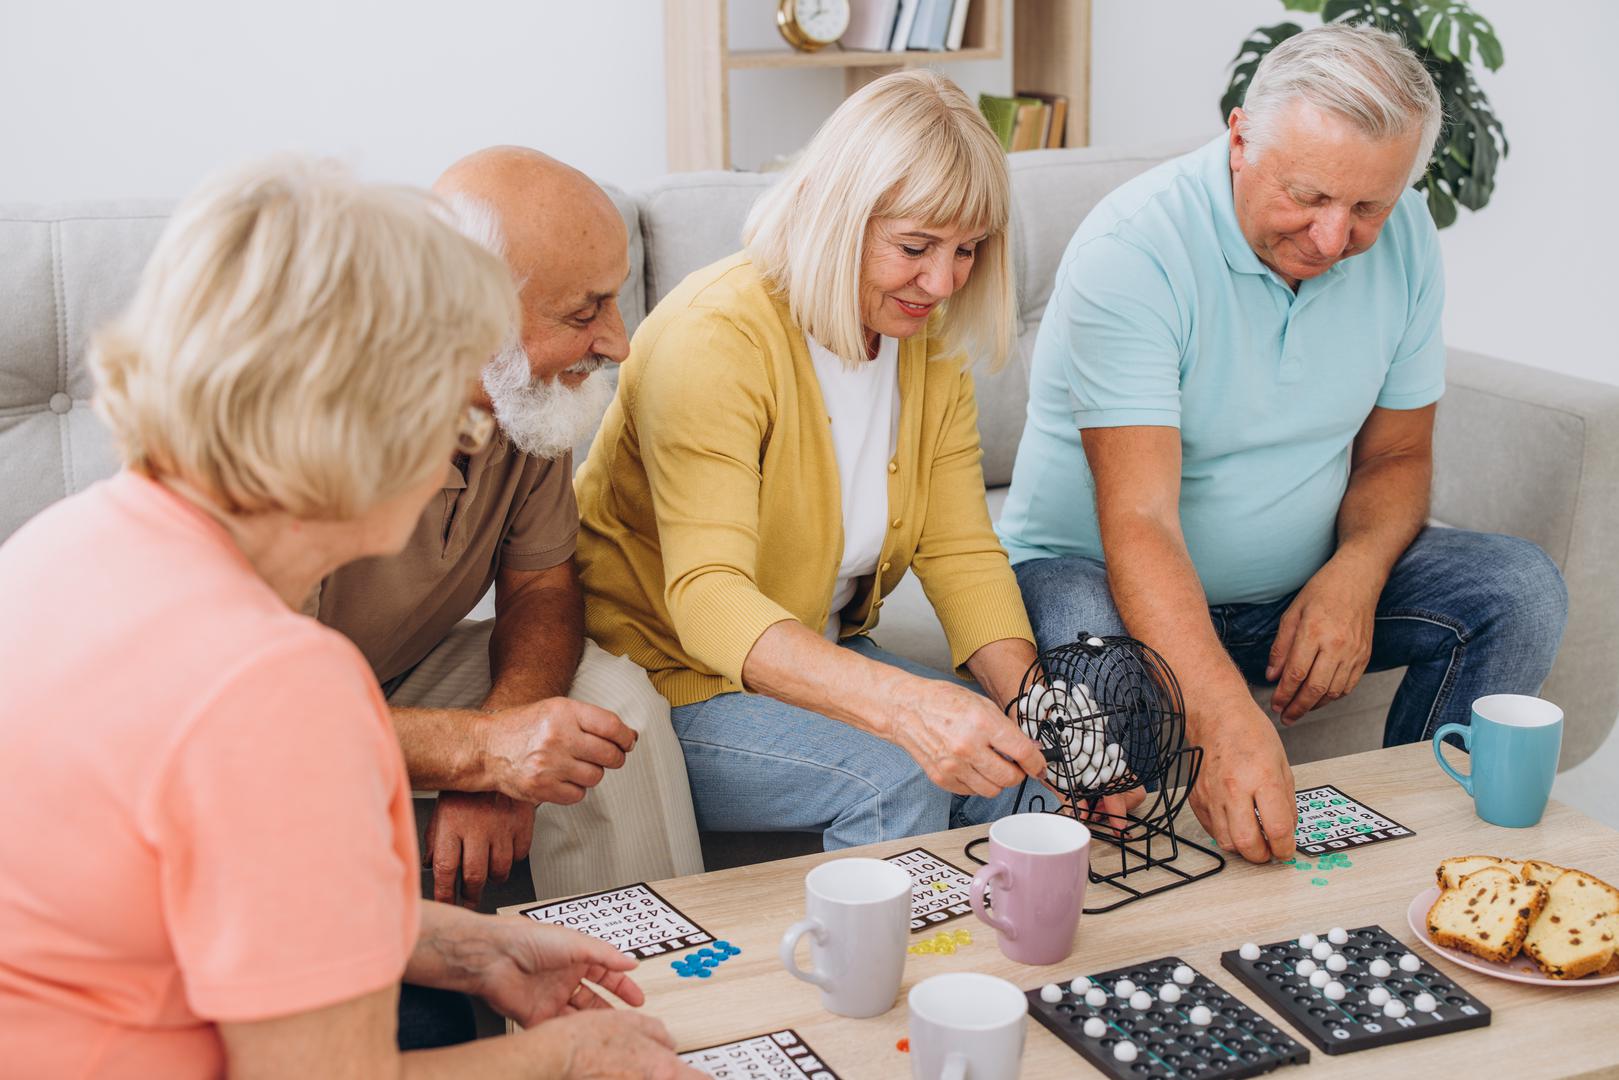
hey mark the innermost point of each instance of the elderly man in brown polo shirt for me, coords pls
(594, 788)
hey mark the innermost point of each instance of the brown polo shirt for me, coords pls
(509, 510)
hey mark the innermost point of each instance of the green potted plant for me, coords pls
(1449, 36)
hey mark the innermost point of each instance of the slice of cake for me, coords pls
(1576, 931)
(1451, 871)
(1488, 914)
(1541, 873)
(1514, 867)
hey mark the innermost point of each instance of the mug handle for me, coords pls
(789, 942)
(955, 1066)
(998, 875)
(1467, 740)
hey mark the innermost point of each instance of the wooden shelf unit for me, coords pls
(1051, 50)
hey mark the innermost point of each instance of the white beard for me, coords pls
(545, 417)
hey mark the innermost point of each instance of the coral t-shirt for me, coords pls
(204, 814)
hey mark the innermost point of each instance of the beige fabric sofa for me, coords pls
(1521, 450)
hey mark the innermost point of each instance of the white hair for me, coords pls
(1367, 76)
(300, 341)
(477, 221)
(542, 417)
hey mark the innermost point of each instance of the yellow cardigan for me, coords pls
(710, 505)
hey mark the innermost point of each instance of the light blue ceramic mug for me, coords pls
(1514, 743)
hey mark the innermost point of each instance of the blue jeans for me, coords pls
(759, 765)
(1465, 613)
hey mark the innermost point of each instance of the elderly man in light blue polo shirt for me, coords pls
(1229, 441)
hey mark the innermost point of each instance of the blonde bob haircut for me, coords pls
(909, 145)
(301, 342)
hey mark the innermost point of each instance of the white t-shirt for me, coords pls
(864, 406)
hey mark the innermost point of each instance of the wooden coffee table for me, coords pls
(1534, 1031)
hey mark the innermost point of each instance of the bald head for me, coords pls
(567, 248)
(545, 208)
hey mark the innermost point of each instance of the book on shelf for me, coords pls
(958, 25)
(1029, 132)
(902, 26)
(1028, 121)
(1055, 120)
(1001, 113)
(871, 25)
(932, 27)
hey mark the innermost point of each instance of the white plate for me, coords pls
(1521, 969)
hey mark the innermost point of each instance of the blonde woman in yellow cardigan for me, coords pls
(795, 429)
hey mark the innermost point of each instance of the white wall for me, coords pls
(1531, 277)
(108, 99)
(104, 98)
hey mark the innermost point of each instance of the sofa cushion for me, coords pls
(67, 269)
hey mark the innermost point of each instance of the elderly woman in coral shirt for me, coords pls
(181, 753)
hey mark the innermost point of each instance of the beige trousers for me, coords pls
(638, 823)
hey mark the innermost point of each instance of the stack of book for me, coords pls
(1028, 121)
(898, 25)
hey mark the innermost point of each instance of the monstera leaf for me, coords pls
(1448, 35)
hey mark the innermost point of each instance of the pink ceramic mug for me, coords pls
(1038, 866)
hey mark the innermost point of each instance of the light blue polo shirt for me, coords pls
(1163, 316)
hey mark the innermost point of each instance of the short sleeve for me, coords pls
(286, 883)
(545, 521)
(1416, 378)
(1115, 319)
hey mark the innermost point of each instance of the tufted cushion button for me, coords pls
(60, 402)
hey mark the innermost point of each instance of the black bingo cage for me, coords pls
(1108, 715)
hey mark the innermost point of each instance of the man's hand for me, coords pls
(553, 750)
(964, 744)
(1245, 769)
(1324, 639)
(479, 833)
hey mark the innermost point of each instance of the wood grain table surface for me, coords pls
(1534, 1031)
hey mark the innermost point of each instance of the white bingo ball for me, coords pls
(1305, 968)
(1051, 993)
(1140, 1001)
(1307, 941)
(1409, 962)
(1338, 935)
(1184, 975)
(1169, 993)
(1123, 988)
(1336, 962)
(1394, 1009)
(1319, 978)
(1380, 969)
(1095, 642)
(1125, 1050)
(1201, 1015)
(1426, 1003)
(1378, 996)
(1096, 1027)
(1079, 985)
(1250, 951)
(1321, 950)
(1096, 997)
(1334, 990)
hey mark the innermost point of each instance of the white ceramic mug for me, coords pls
(858, 916)
(967, 1026)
